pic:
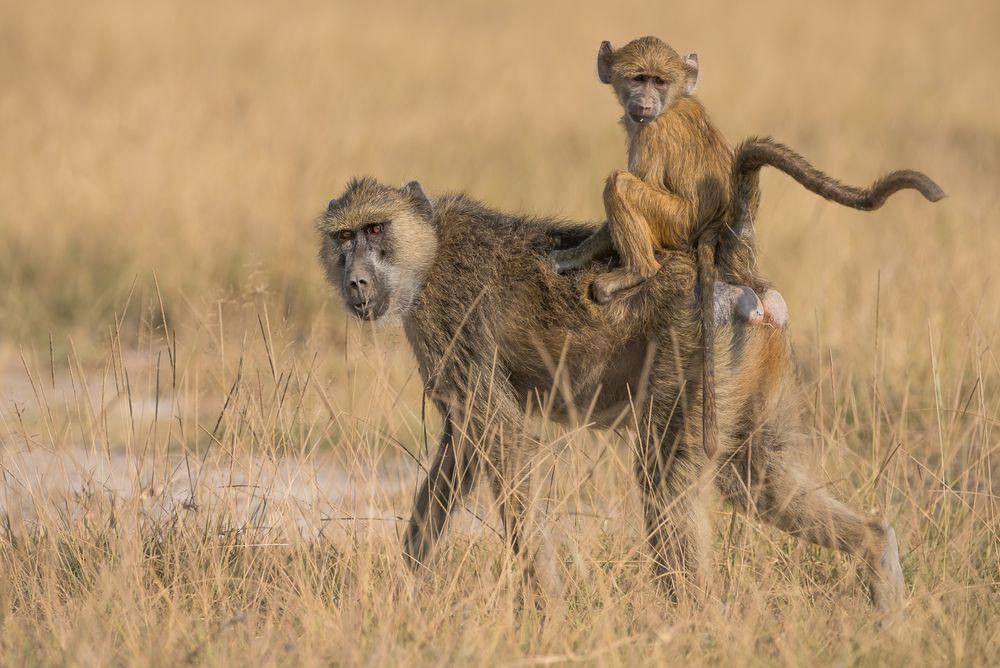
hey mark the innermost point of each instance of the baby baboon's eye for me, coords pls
(375, 229)
(659, 81)
(638, 78)
(342, 235)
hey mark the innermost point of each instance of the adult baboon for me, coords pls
(494, 330)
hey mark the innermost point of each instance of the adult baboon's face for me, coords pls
(377, 245)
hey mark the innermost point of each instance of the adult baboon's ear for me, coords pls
(690, 73)
(420, 199)
(605, 55)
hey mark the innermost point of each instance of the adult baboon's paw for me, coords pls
(888, 586)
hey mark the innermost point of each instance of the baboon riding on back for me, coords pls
(494, 329)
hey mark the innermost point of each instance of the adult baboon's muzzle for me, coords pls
(367, 311)
(360, 285)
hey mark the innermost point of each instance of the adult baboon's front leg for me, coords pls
(510, 475)
(451, 476)
(496, 425)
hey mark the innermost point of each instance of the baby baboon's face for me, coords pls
(647, 75)
(377, 246)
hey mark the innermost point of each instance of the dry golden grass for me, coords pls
(203, 460)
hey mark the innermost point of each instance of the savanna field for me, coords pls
(204, 461)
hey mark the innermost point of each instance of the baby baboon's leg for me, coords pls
(451, 476)
(640, 218)
(785, 497)
(631, 237)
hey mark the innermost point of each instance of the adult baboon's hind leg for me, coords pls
(782, 495)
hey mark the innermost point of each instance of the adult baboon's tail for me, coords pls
(756, 152)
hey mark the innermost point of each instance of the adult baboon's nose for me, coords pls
(361, 286)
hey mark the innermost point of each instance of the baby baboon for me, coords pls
(682, 173)
(678, 192)
(493, 333)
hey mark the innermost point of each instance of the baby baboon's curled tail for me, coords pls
(749, 157)
(757, 152)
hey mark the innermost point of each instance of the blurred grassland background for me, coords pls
(203, 458)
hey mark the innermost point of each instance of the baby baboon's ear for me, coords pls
(690, 73)
(605, 55)
(420, 199)
(333, 205)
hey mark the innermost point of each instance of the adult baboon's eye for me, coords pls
(375, 229)
(342, 235)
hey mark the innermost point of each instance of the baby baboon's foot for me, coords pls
(736, 303)
(606, 286)
(775, 308)
(887, 584)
